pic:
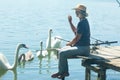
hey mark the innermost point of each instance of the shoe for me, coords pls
(63, 75)
(55, 75)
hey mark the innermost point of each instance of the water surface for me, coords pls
(28, 21)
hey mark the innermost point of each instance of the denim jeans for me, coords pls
(70, 52)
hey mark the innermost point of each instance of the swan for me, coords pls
(52, 42)
(4, 64)
(41, 53)
(28, 56)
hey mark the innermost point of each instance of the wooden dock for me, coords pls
(101, 59)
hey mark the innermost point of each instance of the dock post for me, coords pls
(87, 74)
(102, 74)
(63, 78)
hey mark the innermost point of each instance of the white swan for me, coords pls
(28, 56)
(52, 42)
(41, 54)
(4, 64)
(56, 42)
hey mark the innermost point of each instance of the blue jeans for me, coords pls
(70, 52)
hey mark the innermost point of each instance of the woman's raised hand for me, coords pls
(70, 18)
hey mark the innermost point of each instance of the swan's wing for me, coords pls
(56, 43)
(3, 58)
(3, 61)
(38, 53)
(43, 54)
(29, 55)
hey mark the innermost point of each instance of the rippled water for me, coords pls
(28, 21)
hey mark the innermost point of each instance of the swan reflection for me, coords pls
(4, 72)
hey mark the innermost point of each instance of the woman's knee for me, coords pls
(62, 54)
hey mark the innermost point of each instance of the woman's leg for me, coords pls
(66, 53)
(70, 52)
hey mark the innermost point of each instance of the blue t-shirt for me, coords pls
(83, 29)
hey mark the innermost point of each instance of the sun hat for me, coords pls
(82, 9)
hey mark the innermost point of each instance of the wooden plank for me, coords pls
(110, 50)
(112, 65)
(91, 56)
(94, 68)
(109, 57)
(103, 53)
(115, 47)
(107, 53)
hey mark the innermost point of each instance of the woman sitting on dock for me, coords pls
(78, 46)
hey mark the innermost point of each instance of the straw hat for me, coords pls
(82, 9)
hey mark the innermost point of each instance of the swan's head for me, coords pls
(50, 30)
(22, 46)
(41, 46)
(41, 43)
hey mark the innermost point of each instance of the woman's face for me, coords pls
(78, 13)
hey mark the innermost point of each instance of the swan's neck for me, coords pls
(16, 58)
(49, 40)
(21, 58)
(41, 48)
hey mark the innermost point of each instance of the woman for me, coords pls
(79, 45)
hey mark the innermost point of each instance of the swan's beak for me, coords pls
(26, 47)
(51, 30)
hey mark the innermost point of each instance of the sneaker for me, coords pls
(63, 75)
(55, 75)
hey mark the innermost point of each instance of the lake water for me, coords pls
(28, 21)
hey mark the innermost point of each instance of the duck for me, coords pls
(5, 65)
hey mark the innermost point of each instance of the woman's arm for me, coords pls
(75, 40)
(71, 25)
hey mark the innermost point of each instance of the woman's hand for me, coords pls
(70, 18)
(69, 44)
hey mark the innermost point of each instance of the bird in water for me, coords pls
(52, 43)
(41, 53)
(28, 56)
(4, 64)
